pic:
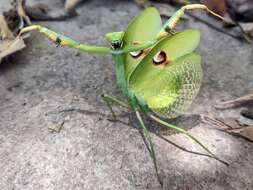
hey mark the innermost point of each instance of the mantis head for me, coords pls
(115, 39)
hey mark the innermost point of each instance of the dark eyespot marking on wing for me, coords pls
(136, 54)
(160, 58)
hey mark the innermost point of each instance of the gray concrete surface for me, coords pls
(91, 152)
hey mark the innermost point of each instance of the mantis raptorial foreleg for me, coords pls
(62, 40)
(172, 22)
(110, 99)
(66, 41)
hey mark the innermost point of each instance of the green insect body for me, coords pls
(158, 72)
(141, 79)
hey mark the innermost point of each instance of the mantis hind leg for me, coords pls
(178, 129)
(109, 100)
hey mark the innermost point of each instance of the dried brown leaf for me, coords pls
(218, 6)
(246, 132)
(9, 44)
(240, 129)
(5, 32)
(231, 125)
(8, 47)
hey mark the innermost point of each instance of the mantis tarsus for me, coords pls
(157, 71)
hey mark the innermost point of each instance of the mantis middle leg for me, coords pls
(150, 146)
(110, 99)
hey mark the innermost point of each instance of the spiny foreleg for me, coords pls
(175, 18)
(65, 41)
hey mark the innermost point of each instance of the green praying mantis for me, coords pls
(157, 70)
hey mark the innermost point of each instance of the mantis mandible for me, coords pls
(157, 71)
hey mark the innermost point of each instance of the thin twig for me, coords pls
(215, 27)
(244, 100)
(244, 34)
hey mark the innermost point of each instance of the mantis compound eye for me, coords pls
(136, 54)
(160, 58)
(117, 44)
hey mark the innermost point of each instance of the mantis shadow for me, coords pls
(187, 121)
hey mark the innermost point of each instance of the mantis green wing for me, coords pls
(141, 29)
(169, 77)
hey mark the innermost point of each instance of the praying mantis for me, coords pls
(157, 70)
